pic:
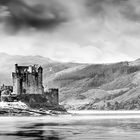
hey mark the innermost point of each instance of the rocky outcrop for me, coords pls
(21, 109)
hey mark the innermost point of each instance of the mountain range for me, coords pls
(113, 86)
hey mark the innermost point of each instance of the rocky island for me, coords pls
(27, 95)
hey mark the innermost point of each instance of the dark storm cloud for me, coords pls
(89, 27)
(114, 2)
(128, 9)
(131, 12)
(48, 14)
(37, 15)
(98, 6)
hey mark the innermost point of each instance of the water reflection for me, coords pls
(69, 129)
(33, 131)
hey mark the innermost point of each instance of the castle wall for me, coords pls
(40, 81)
(16, 84)
(27, 80)
(24, 83)
(53, 96)
(32, 84)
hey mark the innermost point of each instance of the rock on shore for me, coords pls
(22, 109)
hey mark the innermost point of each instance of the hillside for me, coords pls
(50, 67)
(85, 86)
(97, 86)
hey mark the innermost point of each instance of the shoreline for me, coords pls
(22, 109)
(104, 111)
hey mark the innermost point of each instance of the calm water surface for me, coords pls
(72, 127)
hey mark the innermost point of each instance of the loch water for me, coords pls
(83, 126)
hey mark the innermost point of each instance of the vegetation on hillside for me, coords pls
(84, 86)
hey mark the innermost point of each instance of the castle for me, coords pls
(28, 84)
(27, 80)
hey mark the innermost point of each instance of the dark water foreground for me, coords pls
(71, 127)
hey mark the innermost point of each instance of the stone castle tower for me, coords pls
(27, 80)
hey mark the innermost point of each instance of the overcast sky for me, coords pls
(93, 31)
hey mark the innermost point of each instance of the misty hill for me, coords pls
(84, 86)
(7, 65)
(100, 86)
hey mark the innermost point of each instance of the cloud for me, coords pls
(71, 30)
(38, 15)
(127, 9)
(131, 11)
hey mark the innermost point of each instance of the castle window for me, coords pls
(24, 91)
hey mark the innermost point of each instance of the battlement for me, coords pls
(28, 87)
(27, 69)
(28, 80)
(5, 87)
(54, 90)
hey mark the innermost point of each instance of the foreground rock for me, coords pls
(21, 109)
